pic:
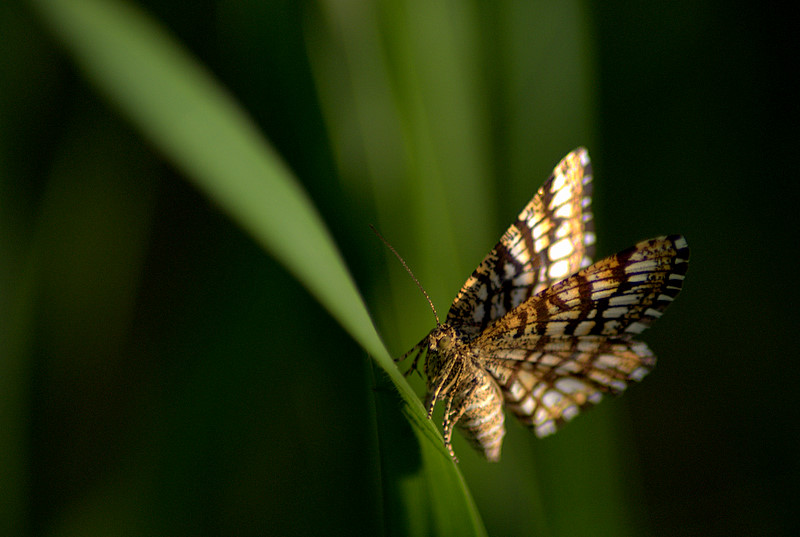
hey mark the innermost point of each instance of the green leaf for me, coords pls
(177, 105)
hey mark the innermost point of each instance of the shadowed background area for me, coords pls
(160, 374)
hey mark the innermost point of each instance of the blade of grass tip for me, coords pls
(177, 105)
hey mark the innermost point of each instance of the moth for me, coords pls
(541, 330)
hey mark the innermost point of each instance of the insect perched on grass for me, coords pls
(539, 328)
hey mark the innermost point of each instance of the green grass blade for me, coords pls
(178, 106)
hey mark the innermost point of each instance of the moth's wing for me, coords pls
(561, 350)
(557, 384)
(552, 238)
(621, 294)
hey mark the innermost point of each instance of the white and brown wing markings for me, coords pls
(563, 349)
(556, 385)
(552, 238)
(623, 293)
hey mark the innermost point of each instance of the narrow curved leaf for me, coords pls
(198, 126)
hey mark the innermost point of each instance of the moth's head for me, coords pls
(442, 338)
(441, 356)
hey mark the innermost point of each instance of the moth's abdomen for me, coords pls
(482, 422)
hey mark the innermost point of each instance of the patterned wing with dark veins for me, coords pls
(561, 350)
(551, 239)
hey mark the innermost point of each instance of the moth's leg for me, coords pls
(451, 417)
(464, 403)
(430, 402)
(415, 363)
(417, 351)
(447, 376)
(447, 429)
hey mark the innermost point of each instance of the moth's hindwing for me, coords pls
(564, 348)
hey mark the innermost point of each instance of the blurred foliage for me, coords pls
(161, 375)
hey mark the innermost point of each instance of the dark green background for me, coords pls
(161, 375)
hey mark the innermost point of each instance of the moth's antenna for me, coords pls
(409, 272)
